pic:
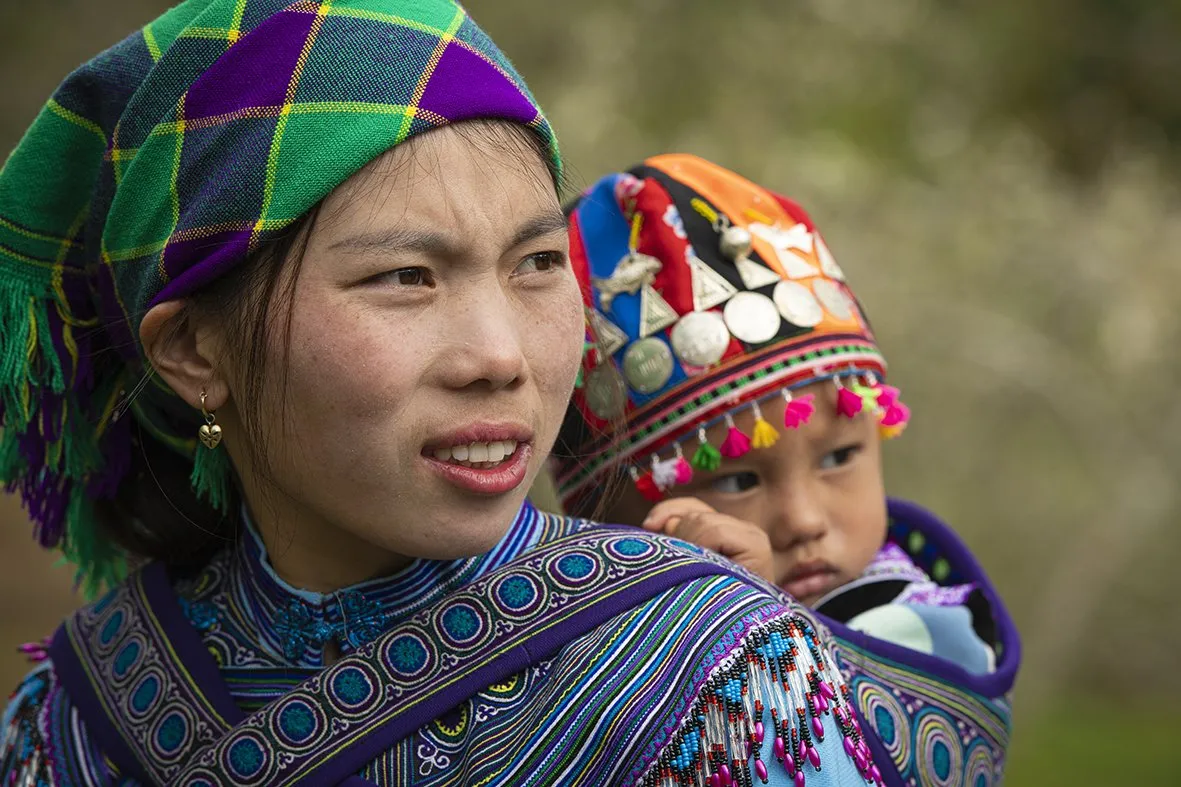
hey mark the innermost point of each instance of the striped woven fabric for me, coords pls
(157, 167)
(668, 692)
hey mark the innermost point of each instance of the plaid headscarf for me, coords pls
(705, 294)
(156, 168)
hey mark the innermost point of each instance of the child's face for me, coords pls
(817, 493)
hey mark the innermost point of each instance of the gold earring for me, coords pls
(210, 432)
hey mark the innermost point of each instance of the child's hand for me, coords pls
(690, 519)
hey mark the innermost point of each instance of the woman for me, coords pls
(309, 261)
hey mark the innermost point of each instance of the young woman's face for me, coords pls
(817, 492)
(436, 333)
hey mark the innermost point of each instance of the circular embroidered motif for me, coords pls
(451, 727)
(940, 756)
(170, 733)
(576, 566)
(111, 628)
(577, 570)
(408, 655)
(352, 687)
(125, 659)
(979, 772)
(462, 624)
(246, 758)
(888, 718)
(145, 694)
(630, 550)
(299, 723)
(518, 594)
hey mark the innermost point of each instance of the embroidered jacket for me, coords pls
(712, 680)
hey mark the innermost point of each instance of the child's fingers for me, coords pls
(743, 542)
(659, 517)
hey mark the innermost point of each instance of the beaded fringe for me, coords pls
(22, 756)
(778, 683)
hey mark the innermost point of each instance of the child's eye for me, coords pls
(733, 484)
(839, 457)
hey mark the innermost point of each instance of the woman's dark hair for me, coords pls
(155, 514)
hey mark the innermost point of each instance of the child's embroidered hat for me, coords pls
(705, 294)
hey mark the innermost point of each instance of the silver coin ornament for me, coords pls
(606, 393)
(752, 317)
(648, 365)
(797, 304)
(834, 298)
(700, 338)
(735, 242)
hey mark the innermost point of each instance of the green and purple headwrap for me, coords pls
(158, 167)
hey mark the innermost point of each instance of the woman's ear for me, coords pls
(184, 353)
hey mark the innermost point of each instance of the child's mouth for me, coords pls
(809, 581)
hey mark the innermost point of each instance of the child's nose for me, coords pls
(800, 518)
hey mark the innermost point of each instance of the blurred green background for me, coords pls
(997, 179)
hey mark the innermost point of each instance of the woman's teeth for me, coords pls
(477, 454)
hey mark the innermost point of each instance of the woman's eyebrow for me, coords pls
(539, 226)
(399, 239)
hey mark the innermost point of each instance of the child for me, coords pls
(735, 380)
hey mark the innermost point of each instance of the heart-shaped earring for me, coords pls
(210, 432)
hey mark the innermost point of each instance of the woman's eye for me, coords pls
(410, 277)
(541, 262)
(733, 484)
(839, 457)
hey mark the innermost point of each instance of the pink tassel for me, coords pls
(893, 421)
(849, 404)
(683, 468)
(887, 395)
(896, 414)
(736, 443)
(799, 409)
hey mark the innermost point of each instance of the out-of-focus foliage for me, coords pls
(997, 179)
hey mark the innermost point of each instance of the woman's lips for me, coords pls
(488, 479)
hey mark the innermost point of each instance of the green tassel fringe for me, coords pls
(99, 564)
(25, 300)
(211, 476)
(706, 458)
(12, 464)
(79, 444)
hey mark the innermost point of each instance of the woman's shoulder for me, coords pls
(715, 674)
(43, 740)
